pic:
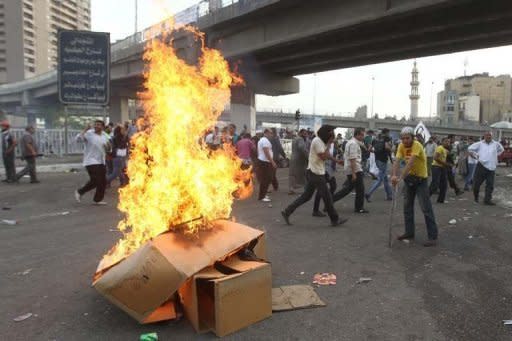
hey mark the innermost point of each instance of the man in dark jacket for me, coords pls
(8, 145)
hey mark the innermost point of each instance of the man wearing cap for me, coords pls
(415, 178)
(486, 153)
(8, 145)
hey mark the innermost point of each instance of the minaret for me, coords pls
(414, 96)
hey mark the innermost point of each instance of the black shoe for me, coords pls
(459, 192)
(405, 236)
(440, 202)
(340, 221)
(489, 203)
(430, 243)
(35, 182)
(367, 197)
(286, 217)
(389, 199)
(318, 214)
(476, 200)
(361, 211)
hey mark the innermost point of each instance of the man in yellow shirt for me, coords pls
(415, 177)
(439, 169)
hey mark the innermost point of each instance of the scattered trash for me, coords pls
(463, 199)
(302, 272)
(470, 237)
(73, 170)
(6, 208)
(507, 322)
(22, 317)
(466, 218)
(452, 222)
(406, 241)
(363, 280)
(508, 215)
(9, 222)
(324, 279)
(85, 314)
(476, 213)
(149, 337)
(23, 273)
(113, 230)
(294, 297)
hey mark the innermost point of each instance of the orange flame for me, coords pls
(174, 178)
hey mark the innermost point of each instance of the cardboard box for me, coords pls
(143, 284)
(228, 300)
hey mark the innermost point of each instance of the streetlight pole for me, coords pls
(431, 91)
(373, 88)
(314, 98)
(136, 16)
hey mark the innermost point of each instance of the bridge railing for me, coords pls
(51, 141)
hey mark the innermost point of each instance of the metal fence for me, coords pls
(51, 141)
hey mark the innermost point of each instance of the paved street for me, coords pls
(460, 290)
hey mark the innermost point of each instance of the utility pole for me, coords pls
(431, 91)
(373, 88)
(314, 98)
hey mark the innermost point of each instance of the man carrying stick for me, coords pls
(415, 177)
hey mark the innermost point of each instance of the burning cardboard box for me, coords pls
(143, 284)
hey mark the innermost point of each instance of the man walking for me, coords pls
(439, 169)
(382, 150)
(319, 152)
(415, 178)
(8, 152)
(96, 147)
(472, 162)
(298, 162)
(354, 171)
(486, 153)
(450, 160)
(277, 154)
(29, 153)
(430, 149)
(266, 165)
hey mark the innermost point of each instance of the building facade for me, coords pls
(490, 96)
(28, 34)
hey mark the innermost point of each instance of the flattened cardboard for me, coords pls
(146, 279)
(227, 303)
(294, 297)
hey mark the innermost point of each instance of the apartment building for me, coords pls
(28, 34)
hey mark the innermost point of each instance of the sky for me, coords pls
(338, 91)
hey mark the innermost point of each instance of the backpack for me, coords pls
(379, 146)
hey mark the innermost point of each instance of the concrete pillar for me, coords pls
(118, 111)
(243, 109)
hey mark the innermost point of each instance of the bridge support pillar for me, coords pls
(119, 112)
(243, 109)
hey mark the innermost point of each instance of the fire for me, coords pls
(175, 180)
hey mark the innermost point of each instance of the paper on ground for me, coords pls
(295, 297)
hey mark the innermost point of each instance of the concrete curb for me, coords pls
(55, 168)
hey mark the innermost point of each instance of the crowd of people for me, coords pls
(312, 165)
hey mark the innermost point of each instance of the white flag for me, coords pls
(422, 130)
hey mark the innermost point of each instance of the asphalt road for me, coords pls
(459, 290)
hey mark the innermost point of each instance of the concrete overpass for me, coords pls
(275, 40)
(288, 119)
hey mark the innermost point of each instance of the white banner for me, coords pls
(422, 130)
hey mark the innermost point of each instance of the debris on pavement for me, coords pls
(470, 237)
(149, 337)
(452, 222)
(6, 208)
(9, 222)
(324, 279)
(302, 272)
(364, 280)
(294, 297)
(23, 273)
(22, 317)
(507, 322)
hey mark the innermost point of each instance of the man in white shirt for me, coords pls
(266, 165)
(212, 140)
(430, 149)
(472, 162)
(486, 153)
(315, 174)
(354, 171)
(96, 147)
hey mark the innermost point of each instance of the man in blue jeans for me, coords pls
(382, 150)
(415, 178)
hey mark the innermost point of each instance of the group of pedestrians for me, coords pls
(29, 153)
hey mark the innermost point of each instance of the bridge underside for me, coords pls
(326, 35)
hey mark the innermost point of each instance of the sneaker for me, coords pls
(266, 199)
(78, 197)
(367, 197)
(318, 214)
(430, 243)
(340, 221)
(405, 236)
(35, 182)
(362, 211)
(99, 203)
(286, 217)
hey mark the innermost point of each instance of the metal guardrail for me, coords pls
(51, 141)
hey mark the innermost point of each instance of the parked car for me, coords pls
(506, 156)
